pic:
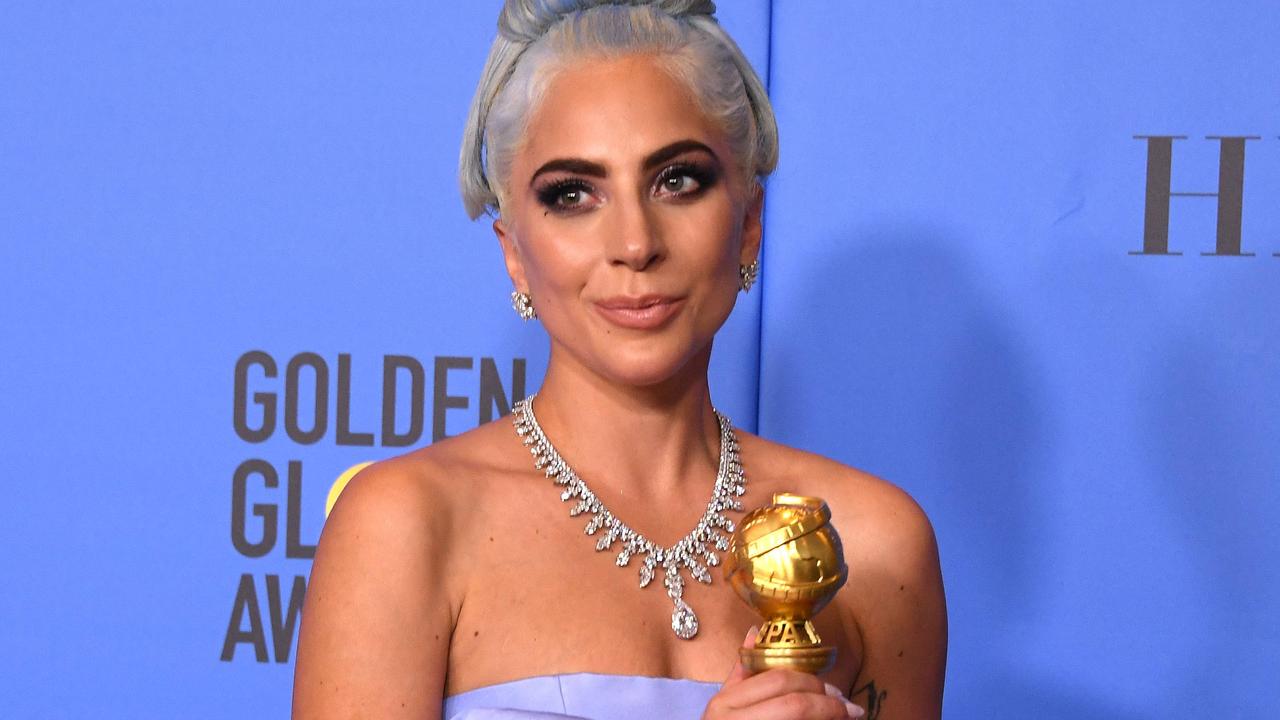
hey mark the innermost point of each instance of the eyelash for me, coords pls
(705, 177)
(550, 194)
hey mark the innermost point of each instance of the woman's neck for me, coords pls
(659, 441)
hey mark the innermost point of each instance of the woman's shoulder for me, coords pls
(388, 584)
(857, 491)
(881, 524)
(401, 518)
(442, 480)
(895, 599)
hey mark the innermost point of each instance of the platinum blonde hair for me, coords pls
(538, 38)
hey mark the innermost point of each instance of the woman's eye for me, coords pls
(684, 181)
(564, 196)
(679, 184)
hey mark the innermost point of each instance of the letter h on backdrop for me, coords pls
(1230, 194)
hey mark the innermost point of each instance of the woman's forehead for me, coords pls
(615, 111)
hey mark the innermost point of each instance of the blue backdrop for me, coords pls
(1023, 260)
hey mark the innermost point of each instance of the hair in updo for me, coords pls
(537, 38)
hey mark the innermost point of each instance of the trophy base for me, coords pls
(812, 660)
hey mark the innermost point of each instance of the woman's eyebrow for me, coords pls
(679, 147)
(571, 165)
(579, 166)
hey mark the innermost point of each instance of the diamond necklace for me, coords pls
(695, 552)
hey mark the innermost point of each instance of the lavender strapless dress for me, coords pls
(589, 696)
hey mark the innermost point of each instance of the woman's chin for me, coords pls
(648, 366)
(640, 359)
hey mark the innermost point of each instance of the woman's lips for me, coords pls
(642, 313)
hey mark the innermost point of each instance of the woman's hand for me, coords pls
(777, 695)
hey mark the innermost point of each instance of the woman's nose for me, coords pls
(636, 236)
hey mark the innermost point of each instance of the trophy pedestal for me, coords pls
(814, 661)
(790, 644)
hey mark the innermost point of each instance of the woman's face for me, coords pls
(626, 218)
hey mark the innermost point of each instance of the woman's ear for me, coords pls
(511, 255)
(752, 225)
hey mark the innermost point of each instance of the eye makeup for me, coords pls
(681, 180)
(563, 195)
(703, 177)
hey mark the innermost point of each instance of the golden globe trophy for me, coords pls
(785, 560)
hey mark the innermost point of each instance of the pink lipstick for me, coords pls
(645, 312)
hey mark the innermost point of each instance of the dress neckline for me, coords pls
(556, 677)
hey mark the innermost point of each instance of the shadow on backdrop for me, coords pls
(932, 390)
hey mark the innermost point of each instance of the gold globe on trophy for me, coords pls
(785, 560)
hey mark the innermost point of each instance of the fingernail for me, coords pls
(855, 711)
(834, 691)
(751, 634)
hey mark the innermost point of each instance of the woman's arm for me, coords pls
(901, 613)
(377, 617)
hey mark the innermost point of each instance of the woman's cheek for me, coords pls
(556, 256)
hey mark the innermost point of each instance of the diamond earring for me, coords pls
(748, 274)
(523, 305)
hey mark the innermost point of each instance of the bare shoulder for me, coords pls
(384, 596)
(400, 508)
(421, 500)
(894, 595)
(887, 522)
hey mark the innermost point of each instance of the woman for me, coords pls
(620, 147)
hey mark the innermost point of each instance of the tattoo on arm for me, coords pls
(873, 700)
